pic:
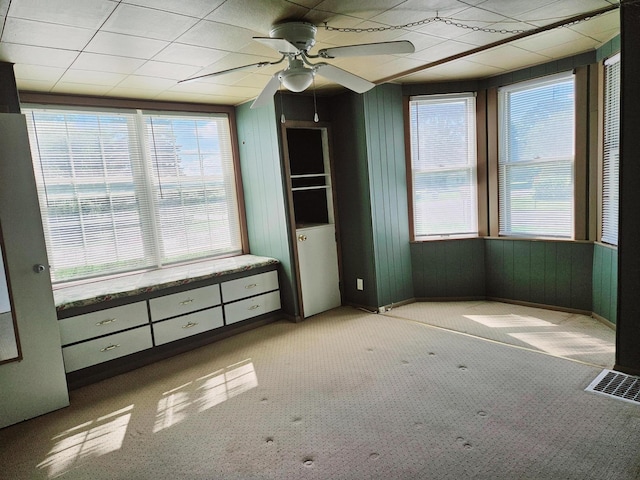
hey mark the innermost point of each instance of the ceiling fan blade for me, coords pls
(344, 78)
(279, 44)
(223, 72)
(382, 48)
(267, 93)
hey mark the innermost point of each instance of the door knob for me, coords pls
(39, 268)
(302, 238)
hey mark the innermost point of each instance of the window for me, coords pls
(122, 190)
(611, 156)
(443, 165)
(536, 158)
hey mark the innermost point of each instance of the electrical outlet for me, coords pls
(359, 284)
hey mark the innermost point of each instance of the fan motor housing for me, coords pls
(300, 34)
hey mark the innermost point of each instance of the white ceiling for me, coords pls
(141, 48)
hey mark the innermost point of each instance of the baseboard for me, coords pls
(604, 321)
(540, 305)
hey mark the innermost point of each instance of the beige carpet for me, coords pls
(343, 395)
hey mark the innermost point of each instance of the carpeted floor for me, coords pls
(343, 395)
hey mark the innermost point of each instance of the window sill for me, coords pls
(91, 293)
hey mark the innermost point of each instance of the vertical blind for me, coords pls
(611, 153)
(124, 190)
(443, 165)
(536, 157)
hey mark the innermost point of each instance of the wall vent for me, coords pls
(617, 385)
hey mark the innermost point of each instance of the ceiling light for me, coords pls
(297, 77)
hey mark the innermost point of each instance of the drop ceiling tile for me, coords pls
(424, 76)
(548, 39)
(137, 93)
(211, 89)
(4, 7)
(86, 13)
(233, 60)
(257, 16)
(125, 45)
(420, 40)
(171, 71)
(562, 9)
(512, 8)
(463, 69)
(92, 78)
(598, 26)
(80, 88)
(148, 23)
(34, 85)
(574, 47)
(2, 21)
(49, 57)
(254, 80)
(192, 8)
(217, 35)
(507, 57)
(29, 32)
(142, 82)
(440, 51)
(199, 98)
(419, 10)
(37, 72)
(358, 8)
(501, 31)
(370, 37)
(107, 63)
(190, 55)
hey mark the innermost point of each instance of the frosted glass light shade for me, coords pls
(297, 80)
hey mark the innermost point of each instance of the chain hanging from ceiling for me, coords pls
(449, 21)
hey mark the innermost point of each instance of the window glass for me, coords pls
(125, 190)
(443, 165)
(536, 158)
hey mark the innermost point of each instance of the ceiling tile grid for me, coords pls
(143, 48)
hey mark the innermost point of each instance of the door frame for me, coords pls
(325, 128)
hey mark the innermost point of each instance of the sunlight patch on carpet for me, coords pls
(509, 321)
(203, 393)
(95, 438)
(565, 344)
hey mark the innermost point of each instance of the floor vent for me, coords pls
(617, 385)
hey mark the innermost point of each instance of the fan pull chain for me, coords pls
(315, 106)
(282, 119)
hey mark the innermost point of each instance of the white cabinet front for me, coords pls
(106, 348)
(180, 327)
(251, 307)
(102, 322)
(184, 302)
(249, 286)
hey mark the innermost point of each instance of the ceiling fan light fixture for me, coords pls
(297, 79)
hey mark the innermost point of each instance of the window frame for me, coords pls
(479, 170)
(153, 108)
(579, 161)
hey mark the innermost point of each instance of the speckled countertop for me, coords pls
(90, 293)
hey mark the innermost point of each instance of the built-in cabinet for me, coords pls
(106, 334)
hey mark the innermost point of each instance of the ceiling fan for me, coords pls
(293, 40)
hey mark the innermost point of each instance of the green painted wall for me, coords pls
(449, 268)
(605, 282)
(544, 272)
(264, 194)
(353, 200)
(384, 125)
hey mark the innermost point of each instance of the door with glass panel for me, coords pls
(31, 368)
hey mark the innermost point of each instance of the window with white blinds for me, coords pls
(126, 190)
(536, 157)
(443, 166)
(611, 151)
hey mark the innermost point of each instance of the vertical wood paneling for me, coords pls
(265, 203)
(388, 189)
(521, 268)
(563, 273)
(605, 282)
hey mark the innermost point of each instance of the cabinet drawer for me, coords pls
(184, 302)
(102, 322)
(251, 307)
(249, 286)
(102, 349)
(187, 325)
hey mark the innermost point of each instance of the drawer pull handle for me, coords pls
(187, 301)
(105, 322)
(109, 348)
(190, 324)
(253, 307)
(251, 285)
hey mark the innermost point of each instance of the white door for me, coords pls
(318, 262)
(36, 384)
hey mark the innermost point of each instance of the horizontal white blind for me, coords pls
(193, 182)
(611, 153)
(443, 165)
(99, 189)
(536, 158)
